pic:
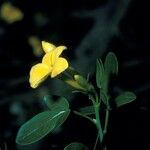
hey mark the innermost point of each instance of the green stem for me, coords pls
(106, 121)
(96, 142)
(98, 122)
(81, 115)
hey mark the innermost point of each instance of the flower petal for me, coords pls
(38, 74)
(47, 47)
(58, 50)
(61, 65)
(49, 58)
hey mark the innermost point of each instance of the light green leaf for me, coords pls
(43, 123)
(88, 110)
(76, 146)
(100, 74)
(111, 64)
(124, 98)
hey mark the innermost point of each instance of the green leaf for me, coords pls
(43, 123)
(125, 98)
(48, 101)
(88, 110)
(111, 64)
(100, 73)
(61, 103)
(104, 97)
(76, 146)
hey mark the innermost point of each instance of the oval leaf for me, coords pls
(61, 103)
(40, 125)
(125, 98)
(76, 146)
(100, 74)
(111, 64)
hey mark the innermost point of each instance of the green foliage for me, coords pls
(43, 123)
(124, 98)
(76, 146)
(48, 101)
(58, 111)
(87, 87)
(61, 103)
(104, 97)
(88, 110)
(100, 74)
(111, 64)
(103, 73)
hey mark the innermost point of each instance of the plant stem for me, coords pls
(106, 125)
(86, 117)
(96, 142)
(106, 121)
(98, 122)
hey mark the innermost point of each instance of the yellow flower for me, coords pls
(52, 64)
(10, 13)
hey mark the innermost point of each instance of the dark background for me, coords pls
(90, 29)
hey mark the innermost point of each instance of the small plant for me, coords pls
(55, 66)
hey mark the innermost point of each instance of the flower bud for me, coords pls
(75, 84)
(83, 83)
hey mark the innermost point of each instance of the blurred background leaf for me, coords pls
(125, 98)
